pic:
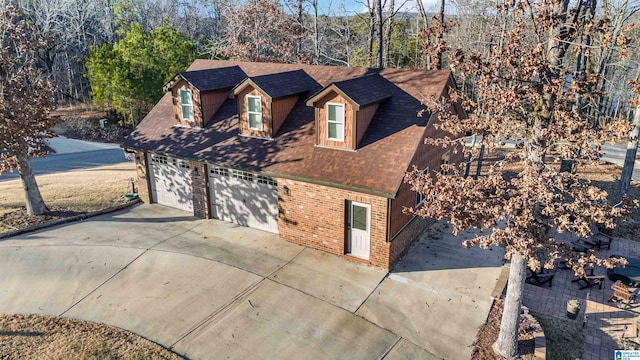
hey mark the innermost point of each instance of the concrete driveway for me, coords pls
(209, 289)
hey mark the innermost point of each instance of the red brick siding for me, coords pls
(363, 119)
(200, 190)
(280, 109)
(321, 122)
(244, 118)
(142, 183)
(314, 215)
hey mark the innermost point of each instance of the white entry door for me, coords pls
(359, 230)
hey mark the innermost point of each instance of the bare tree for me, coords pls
(521, 95)
(26, 98)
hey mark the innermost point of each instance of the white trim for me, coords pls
(249, 113)
(185, 105)
(338, 105)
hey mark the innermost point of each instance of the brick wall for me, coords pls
(142, 181)
(200, 190)
(401, 242)
(315, 215)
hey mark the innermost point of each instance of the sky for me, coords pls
(359, 6)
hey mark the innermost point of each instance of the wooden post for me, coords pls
(630, 158)
(480, 158)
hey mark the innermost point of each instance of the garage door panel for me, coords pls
(171, 182)
(244, 198)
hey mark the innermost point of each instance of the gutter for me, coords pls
(280, 175)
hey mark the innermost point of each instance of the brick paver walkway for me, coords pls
(605, 322)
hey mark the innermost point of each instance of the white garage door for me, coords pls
(244, 198)
(171, 181)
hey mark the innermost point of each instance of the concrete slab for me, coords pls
(258, 252)
(202, 288)
(438, 295)
(406, 350)
(49, 280)
(439, 261)
(277, 322)
(162, 296)
(442, 323)
(330, 278)
(141, 226)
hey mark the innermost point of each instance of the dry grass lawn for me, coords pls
(79, 190)
(49, 337)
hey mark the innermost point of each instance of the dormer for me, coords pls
(264, 102)
(344, 110)
(197, 95)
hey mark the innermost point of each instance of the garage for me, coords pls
(244, 198)
(170, 182)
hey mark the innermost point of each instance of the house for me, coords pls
(316, 154)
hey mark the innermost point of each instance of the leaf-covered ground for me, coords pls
(49, 337)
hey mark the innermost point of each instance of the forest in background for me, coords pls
(126, 46)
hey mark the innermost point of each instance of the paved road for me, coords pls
(211, 289)
(72, 154)
(71, 161)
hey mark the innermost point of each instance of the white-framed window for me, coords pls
(335, 122)
(220, 171)
(181, 163)
(186, 104)
(420, 197)
(254, 112)
(267, 180)
(159, 159)
(243, 175)
(444, 160)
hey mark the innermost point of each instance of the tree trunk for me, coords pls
(316, 34)
(507, 343)
(423, 15)
(441, 34)
(35, 203)
(630, 158)
(370, 35)
(379, 38)
(387, 34)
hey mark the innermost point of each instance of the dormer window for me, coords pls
(335, 122)
(186, 103)
(254, 112)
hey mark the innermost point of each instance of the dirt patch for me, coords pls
(85, 122)
(49, 337)
(19, 219)
(66, 194)
(488, 334)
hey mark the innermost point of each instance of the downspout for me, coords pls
(388, 228)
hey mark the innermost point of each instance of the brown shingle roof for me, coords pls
(283, 84)
(363, 91)
(214, 79)
(377, 166)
